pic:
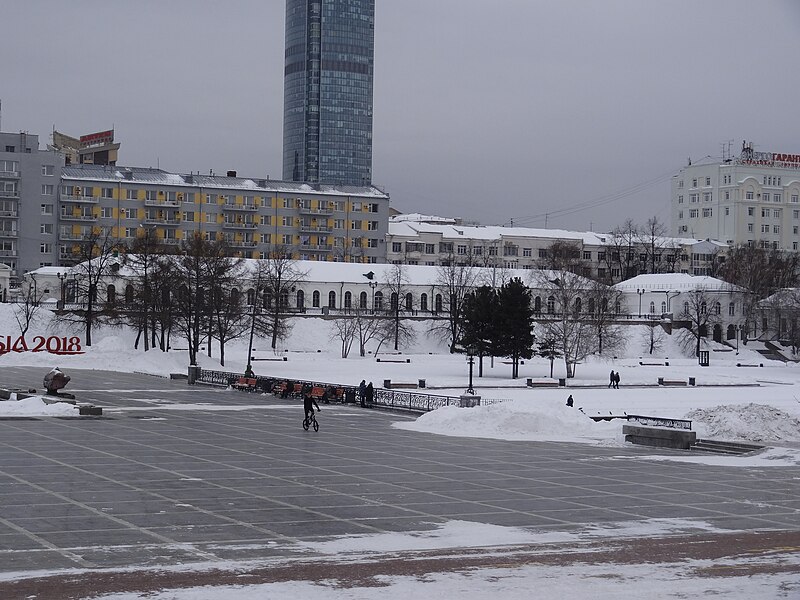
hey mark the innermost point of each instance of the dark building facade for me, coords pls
(327, 113)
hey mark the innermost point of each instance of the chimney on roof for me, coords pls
(231, 173)
(127, 174)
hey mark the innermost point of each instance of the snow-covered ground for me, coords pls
(721, 407)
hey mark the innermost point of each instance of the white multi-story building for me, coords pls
(428, 240)
(752, 199)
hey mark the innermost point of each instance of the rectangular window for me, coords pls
(776, 229)
(106, 212)
(776, 213)
(777, 197)
(129, 213)
(356, 206)
(694, 182)
(680, 184)
(130, 232)
(48, 170)
(795, 229)
(46, 248)
(287, 203)
(372, 225)
(708, 180)
(727, 211)
(286, 239)
(750, 227)
(727, 195)
(708, 212)
(542, 252)
(525, 251)
(46, 228)
(694, 197)
(680, 214)
(764, 213)
(587, 255)
(748, 195)
(107, 192)
(356, 225)
(47, 189)
(338, 223)
(707, 196)
(751, 211)
(211, 218)
(680, 199)
(397, 246)
(764, 228)
(287, 221)
(266, 238)
(131, 194)
(765, 197)
(796, 214)
(430, 249)
(188, 216)
(795, 198)
(693, 213)
(373, 208)
(47, 209)
(373, 243)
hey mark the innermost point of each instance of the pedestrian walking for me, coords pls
(569, 400)
(362, 393)
(611, 379)
(616, 380)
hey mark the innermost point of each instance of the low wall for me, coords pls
(658, 437)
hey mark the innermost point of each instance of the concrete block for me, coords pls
(659, 437)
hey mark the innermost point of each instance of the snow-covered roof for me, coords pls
(420, 218)
(786, 297)
(116, 174)
(675, 281)
(412, 229)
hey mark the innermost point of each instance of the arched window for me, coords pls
(717, 308)
(438, 303)
(234, 297)
(251, 297)
(423, 302)
(652, 307)
(332, 299)
(732, 309)
(129, 294)
(315, 299)
(686, 308)
(409, 301)
(111, 294)
(703, 308)
(591, 306)
(578, 306)
(284, 299)
(378, 301)
(663, 307)
(393, 301)
(731, 332)
(362, 300)
(348, 300)
(301, 299)
(551, 305)
(537, 304)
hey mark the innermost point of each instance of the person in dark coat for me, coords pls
(362, 392)
(611, 379)
(616, 380)
(569, 400)
(370, 394)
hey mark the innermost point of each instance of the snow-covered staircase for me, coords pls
(720, 447)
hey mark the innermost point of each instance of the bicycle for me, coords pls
(311, 421)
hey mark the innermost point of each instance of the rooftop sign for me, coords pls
(769, 159)
(97, 139)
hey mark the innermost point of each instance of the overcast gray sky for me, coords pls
(487, 109)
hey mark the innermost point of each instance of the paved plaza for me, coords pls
(152, 484)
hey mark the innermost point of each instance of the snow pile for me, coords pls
(748, 422)
(35, 406)
(516, 420)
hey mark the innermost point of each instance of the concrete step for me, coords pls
(723, 447)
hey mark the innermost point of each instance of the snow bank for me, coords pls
(516, 420)
(35, 406)
(747, 422)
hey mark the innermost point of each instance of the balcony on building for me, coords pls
(238, 225)
(9, 214)
(316, 211)
(10, 174)
(304, 228)
(8, 253)
(71, 217)
(160, 201)
(172, 221)
(80, 199)
(234, 206)
(9, 193)
(5, 233)
(315, 248)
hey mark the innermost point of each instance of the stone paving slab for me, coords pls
(149, 485)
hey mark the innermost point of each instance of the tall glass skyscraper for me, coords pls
(327, 96)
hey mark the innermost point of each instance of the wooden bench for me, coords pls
(744, 365)
(247, 384)
(403, 386)
(390, 360)
(644, 364)
(672, 382)
(277, 358)
(543, 384)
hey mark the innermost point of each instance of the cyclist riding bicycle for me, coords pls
(308, 401)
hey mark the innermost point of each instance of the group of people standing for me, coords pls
(366, 393)
(613, 380)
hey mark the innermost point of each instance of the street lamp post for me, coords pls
(372, 284)
(641, 293)
(61, 277)
(146, 294)
(471, 362)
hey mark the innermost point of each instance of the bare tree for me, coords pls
(455, 281)
(701, 310)
(28, 304)
(226, 301)
(345, 330)
(279, 275)
(654, 338)
(655, 247)
(397, 287)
